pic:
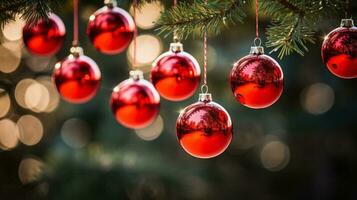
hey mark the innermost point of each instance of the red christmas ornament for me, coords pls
(204, 129)
(45, 38)
(176, 74)
(111, 29)
(135, 102)
(339, 50)
(77, 77)
(257, 79)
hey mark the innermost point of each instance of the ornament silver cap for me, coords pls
(136, 74)
(348, 23)
(176, 47)
(205, 97)
(76, 51)
(110, 3)
(257, 50)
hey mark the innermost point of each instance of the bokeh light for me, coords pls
(275, 155)
(53, 93)
(317, 98)
(75, 133)
(40, 63)
(153, 131)
(13, 30)
(148, 48)
(10, 56)
(8, 134)
(20, 91)
(30, 170)
(148, 14)
(30, 130)
(37, 97)
(5, 103)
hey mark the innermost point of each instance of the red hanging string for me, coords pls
(175, 38)
(205, 53)
(135, 34)
(75, 23)
(256, 19)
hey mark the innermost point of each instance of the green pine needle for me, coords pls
(192, 18)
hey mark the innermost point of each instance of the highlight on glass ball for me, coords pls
(111, 29)
(257, 80)
(135, 102)
(339, 50)
(204, 129)
(77, 77)
(176, 74)
(45, 37)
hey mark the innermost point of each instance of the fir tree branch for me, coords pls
(29, 10)
(294, 23)
(196, 17)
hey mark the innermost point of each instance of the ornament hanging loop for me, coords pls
(204, 89)
(257, 49)
(257, 42)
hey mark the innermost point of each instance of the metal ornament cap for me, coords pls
(136, 74)
(205, 97)
(257, 50)
(111, 3)
(348, 23)
(176, 47)
(76, 51)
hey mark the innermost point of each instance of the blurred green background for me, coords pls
(302, 147)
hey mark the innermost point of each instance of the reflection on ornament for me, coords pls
(257, 80)
(339, 50)
(77, 77)
(45, 38)
(204, 129)
(111, 29)
(176, 74)
(135, 102)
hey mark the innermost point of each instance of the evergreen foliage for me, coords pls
(294, 22)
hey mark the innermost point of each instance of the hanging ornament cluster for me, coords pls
(176, 74)
(45, 37)
(339, 50)
(111, 29)
(135, 102)
(204, 129)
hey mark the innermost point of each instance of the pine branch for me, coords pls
(197, 17)
(29, 10)
(294, 23)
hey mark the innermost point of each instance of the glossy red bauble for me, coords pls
(111, 29)
(135, 102)
(204, 129)
(77, 78)
(176, 74)
(257, 81)
(339, 50)
(45, 37)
